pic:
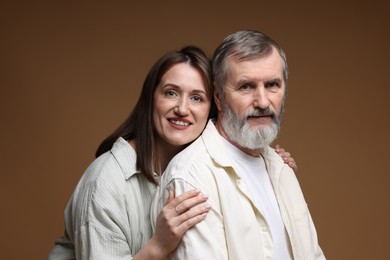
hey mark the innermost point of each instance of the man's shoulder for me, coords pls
(201, 156)
(196, 150)
(191, 154)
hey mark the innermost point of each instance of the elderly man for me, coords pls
(257, 207)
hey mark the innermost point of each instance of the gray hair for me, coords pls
(243, 45)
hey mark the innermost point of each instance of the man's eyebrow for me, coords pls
(275, 79)
(248, 81)
(245, 81)
(278, 80)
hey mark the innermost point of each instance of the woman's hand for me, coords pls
(178, 215)
(287, 158)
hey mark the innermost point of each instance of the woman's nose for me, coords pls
(182, 107)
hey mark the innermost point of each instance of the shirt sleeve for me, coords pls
(90, 243)
(97, 220)
(206, 240)
(95, 243)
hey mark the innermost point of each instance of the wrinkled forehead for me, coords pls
(256, 65)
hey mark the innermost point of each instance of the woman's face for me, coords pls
(181, 106)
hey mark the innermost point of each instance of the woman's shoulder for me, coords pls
(110, 170)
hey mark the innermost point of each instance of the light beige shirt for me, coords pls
(108, 215)
(235, 228)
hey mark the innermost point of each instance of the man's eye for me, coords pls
(245, 87)
(272, 84)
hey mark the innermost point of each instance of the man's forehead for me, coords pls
(257, 67)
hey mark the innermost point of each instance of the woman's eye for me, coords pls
(170, 93)
(197, 98)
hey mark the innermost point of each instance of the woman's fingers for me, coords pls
(185, 201)
(187, 204)
(287, 158)
(186, 195)
(186, 209)
(293, 165)
(192, 217)
(195, 211)
(170, 197)
(177, 216)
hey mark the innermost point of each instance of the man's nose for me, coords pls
(260, 98)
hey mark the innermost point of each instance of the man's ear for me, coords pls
(217, 100)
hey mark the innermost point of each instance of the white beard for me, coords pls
(239, 131)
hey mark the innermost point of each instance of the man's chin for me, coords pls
(255, 146)
(257, 127)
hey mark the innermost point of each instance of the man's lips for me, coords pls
(262, 116)
(261, 119)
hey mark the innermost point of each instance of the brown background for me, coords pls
(70, 73)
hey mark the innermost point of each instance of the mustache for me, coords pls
(260, 112)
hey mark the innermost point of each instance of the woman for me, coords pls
(107, 216)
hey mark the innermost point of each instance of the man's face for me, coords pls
(254, 100)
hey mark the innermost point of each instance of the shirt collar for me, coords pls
(126, 157)
(273, 161)
(214, 145)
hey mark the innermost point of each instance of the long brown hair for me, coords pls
(139, 125)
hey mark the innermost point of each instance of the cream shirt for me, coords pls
(235, 228)
(108, 215)
(253, 172)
